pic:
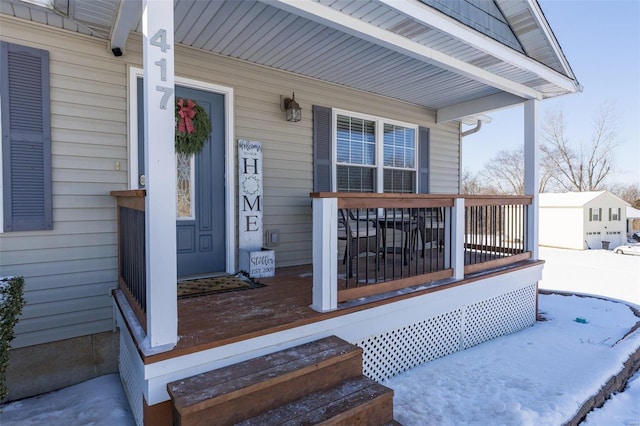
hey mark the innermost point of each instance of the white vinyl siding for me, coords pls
(562, 227)
(76, 262)
(576, 221)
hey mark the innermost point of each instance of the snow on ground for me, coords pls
(540, 375)
(599, 272)
(100, 401)
(622, 409)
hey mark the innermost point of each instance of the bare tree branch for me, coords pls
(504, 173)
(587, 167)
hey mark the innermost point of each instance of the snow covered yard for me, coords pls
(598, 272)
(540, 375)
(100, 401)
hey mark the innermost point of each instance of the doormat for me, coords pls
(205, 286)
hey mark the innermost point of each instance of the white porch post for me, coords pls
(325, 254)
(159, 128)
(531, 173)
(457, 236)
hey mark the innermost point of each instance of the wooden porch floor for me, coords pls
(216, 320)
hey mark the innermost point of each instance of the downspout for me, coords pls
(474, 130)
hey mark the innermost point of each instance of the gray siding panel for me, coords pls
(70, 269)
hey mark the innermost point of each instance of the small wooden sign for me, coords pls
(258, 264)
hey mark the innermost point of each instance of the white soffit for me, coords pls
(477, 106)
(438, 20)
(316, 12)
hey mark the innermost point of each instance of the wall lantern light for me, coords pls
(292, 109)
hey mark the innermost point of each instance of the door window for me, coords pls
(185, 178)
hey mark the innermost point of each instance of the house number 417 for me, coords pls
(159, 39)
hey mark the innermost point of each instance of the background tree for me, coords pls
(628, 192)
(504, 173)
(470, 184)
(585, 167)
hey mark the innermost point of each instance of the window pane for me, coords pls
(399, 181)
(184, 186)
(355, 140)
(399, 146)
(355, 179)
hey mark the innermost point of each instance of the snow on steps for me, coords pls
(325, 374)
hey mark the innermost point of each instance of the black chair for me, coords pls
(360, 234)
(431, 227)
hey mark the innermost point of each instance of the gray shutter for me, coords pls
(423, 160)
(26, 138)
(322, 129)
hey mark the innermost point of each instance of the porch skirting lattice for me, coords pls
(130, 379)
(396, 351)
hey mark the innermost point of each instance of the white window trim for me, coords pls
(379, 148)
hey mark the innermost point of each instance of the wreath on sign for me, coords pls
(192, 126)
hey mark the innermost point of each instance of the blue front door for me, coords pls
(200, 227)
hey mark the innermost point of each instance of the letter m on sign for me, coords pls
(247, 203)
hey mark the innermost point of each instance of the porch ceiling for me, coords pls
(403, 50)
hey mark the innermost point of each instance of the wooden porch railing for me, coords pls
(131, 250)
(366, 244)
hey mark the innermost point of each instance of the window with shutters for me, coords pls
(26, 138)
(374, 154)
(614, 214)
(595, 215)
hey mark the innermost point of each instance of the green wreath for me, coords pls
(193, 126)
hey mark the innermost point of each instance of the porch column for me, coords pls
(325, 254)
(457, 236)
(159, 128)
(531, 173)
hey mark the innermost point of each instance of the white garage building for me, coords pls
(582, 220)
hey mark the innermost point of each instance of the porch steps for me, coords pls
(318, 382)
(355, 401)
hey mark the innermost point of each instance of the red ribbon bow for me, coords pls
(186, 113)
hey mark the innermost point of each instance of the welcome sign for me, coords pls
(250, 194)
(257, 262)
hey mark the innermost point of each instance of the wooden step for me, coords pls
(244, 390)
(356, 401)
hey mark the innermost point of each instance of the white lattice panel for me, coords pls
(396, 351)
(130, 382)
(500, 315)
(390, 353)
